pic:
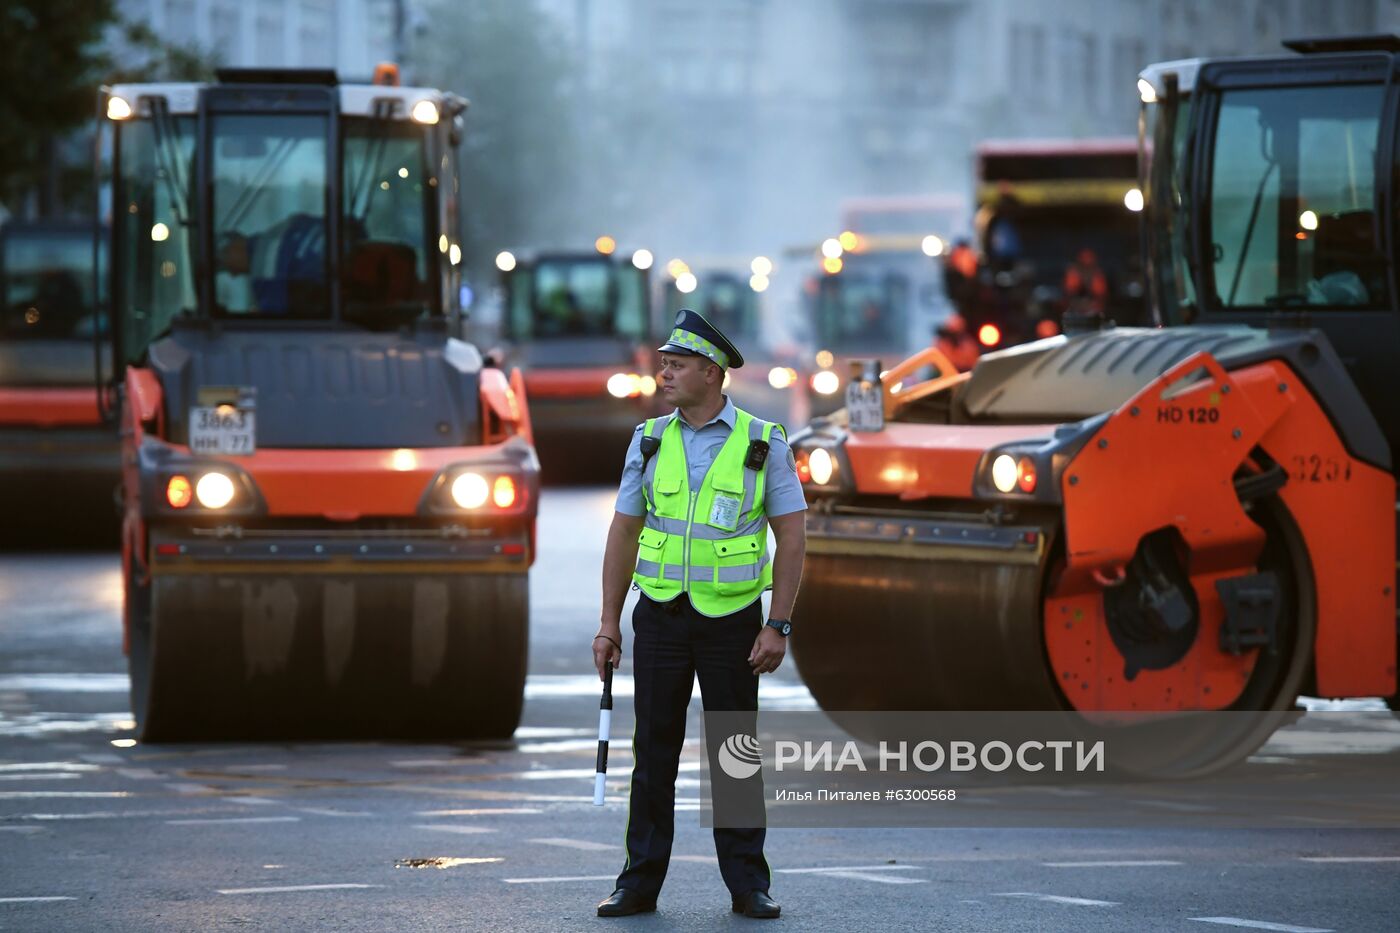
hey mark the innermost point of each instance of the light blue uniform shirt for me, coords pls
(782, 490)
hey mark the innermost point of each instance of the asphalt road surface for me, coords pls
(98, 832)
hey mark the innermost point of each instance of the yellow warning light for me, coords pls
(848, 240)
(605, 245)
(677, 268)
(832, 264)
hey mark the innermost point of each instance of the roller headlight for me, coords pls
(425, 111)
(624, 385)
(214, 490)
(470, 491)
(821, 466)
(780, 377)
(1004, 473)
(826, 382)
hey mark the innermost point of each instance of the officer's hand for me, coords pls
(768, 651)
(605, 649)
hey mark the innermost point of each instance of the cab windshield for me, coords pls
(1292, 199)
(861, 310)
(269, 215)
(726, 301)
(577, 298)
(46, 286)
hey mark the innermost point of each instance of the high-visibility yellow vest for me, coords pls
(711, 542)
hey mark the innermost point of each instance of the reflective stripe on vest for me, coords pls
(711, 543)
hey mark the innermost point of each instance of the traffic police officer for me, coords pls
(700, 487)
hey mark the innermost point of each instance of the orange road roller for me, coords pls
(329, 502)
(1195, 517)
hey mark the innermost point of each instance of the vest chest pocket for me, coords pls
(666, 492)
(651, 549)
(737, 565)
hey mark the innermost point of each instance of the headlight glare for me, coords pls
(1004, 473)
(214, 490)
(469, 491)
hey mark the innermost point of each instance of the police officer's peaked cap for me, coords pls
(697, 336)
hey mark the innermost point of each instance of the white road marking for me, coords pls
(26, 794)
(1146, 863)
(21, 829)
(1059, 899)
(561, 878)
(235, 819)
(186, 787)
(583, 844)
(34, 900)
(286, 889)
(548, 732)
(250, 801)
(867, 876)
(103, 758)
(1259, 925)
(49, 766)
(437, 762)
(115, 814)
(268, 767)
(1350, 858)
(462, 830)
(817, 871)
(558, 774)
(41, 776)
(320, 811)
(482, 811)
(66, 683)
(703, 859)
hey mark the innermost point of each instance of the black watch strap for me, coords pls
(783, 626)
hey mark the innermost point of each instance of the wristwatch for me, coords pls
(783, 626)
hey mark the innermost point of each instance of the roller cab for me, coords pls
(54, 440)
(579, 326)
(329, 503)
(1190, 518)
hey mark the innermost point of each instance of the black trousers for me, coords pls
(673, 644)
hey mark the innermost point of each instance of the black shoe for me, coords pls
(757, 904)
(624, 903)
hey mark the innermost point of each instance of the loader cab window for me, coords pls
(152, 230)
(563, 298)
(46, 286)
(1292, 199)
(269, 215)
(389, 198)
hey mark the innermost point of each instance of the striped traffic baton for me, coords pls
(604, 726)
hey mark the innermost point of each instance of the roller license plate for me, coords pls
(865, 406)
(224, 422)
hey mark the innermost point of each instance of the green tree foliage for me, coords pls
(49, 73)
(519, 158)
(56, 54)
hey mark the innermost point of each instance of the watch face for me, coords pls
(787, 628)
